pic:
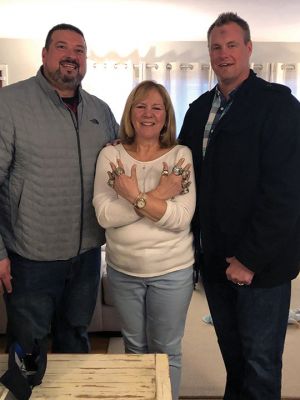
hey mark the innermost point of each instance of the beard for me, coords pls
(64, 81)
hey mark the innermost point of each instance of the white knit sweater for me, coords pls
(138, 246)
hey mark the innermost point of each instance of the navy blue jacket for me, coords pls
(248, 185)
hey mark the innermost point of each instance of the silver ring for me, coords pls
(185, 183)
(186, 174)
(240, 284)
(111, 182)
(119, 171)
(185, 190)
(165, 172)
(177, 170)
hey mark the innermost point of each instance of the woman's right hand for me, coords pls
(124, 185)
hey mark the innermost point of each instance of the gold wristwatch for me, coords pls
(140, 202)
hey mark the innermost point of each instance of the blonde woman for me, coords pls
(144, 196)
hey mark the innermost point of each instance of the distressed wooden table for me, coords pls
(101, 376)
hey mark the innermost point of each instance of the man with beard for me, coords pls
(51, 132)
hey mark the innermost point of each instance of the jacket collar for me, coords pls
(245, 83)
(50, 91)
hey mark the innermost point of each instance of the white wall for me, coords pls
(23, 56)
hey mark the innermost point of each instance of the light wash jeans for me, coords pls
(153, 314)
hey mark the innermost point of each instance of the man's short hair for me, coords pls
(227, 18)
(61, 27)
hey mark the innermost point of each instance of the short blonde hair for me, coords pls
(167, 136)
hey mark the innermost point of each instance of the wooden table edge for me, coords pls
(163, 386)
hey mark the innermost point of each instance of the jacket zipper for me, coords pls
(75, 123)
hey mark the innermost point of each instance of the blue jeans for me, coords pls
(153, 313)
(251, 325)
(53, 296)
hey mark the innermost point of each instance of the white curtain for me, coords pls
(262, 70)
(185, 82)
(112, 82)
(287, 74)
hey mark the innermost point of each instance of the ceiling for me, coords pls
(149, 20)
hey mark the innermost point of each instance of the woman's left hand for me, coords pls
(172, 184)
(124, 185)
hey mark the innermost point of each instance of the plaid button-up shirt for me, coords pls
(220, 106)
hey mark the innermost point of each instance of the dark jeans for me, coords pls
(251, 325)
(53, 296)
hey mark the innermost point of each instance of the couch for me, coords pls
(105, 318)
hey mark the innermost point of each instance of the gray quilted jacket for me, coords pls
(47, 166)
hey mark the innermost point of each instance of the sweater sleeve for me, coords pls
(180, 210)
(111, 211)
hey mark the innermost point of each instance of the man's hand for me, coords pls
(5, 276)
(238, 273)
(113, 143)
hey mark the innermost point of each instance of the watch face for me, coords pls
(140, 203)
